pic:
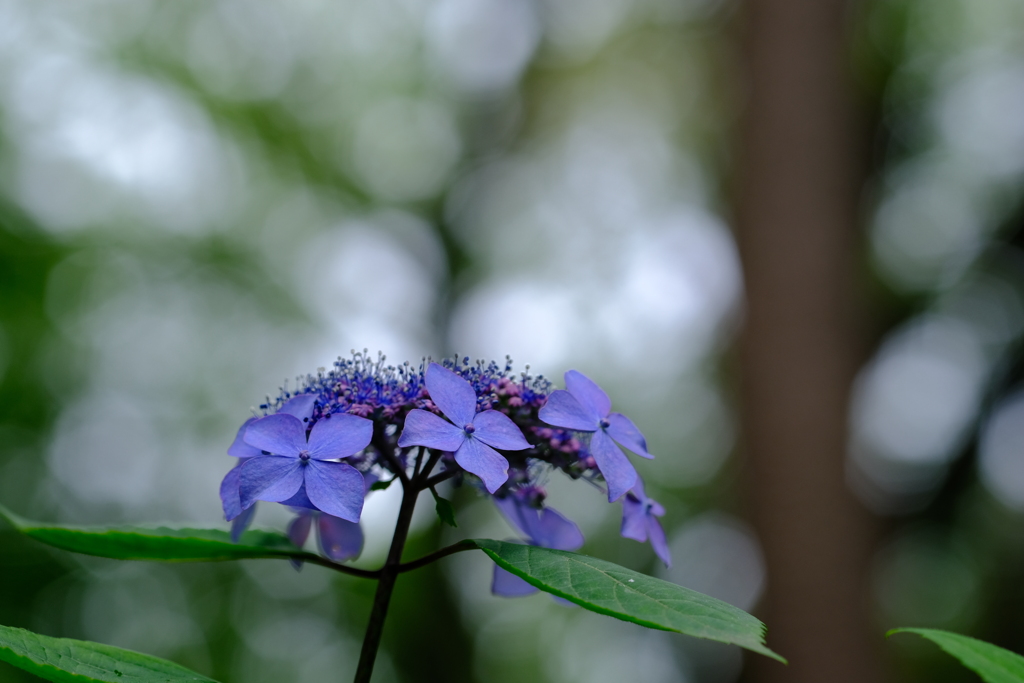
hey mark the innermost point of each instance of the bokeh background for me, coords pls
(200, 200)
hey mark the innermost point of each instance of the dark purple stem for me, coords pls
(392, 568)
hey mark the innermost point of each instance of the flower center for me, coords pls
(605, 424)
(304, 456)
(470, 428)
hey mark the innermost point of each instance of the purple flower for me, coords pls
(640, 521)
(586, 408)
(333, 487)
(473, 436)
(300, 406)
(546, 528)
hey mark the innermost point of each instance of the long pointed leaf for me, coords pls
(607, 588)
(160, 543)
(991, 662)
(80, 661)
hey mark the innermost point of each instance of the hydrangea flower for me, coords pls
(585, 407)
(301, 407)
(394, 413)
(543, 527)
(640, 521)
(295, 462)
(471, 436)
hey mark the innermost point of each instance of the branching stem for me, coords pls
(388, 574)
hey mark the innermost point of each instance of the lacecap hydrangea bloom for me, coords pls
(323, 447)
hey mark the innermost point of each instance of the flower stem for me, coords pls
(388, 574)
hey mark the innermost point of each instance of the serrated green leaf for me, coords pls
(79, 661)
(993, 663)
(607, 588)
(158, 543)
(444, 509)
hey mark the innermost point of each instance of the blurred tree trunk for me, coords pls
(799, 179)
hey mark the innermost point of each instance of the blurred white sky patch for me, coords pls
(616, 651)
(977, 111)
(481, 46)
(1001, 452)
(929, 227)
(405, 149)
(106, 450)
(603, 259)
(653, 300)
(244, 52)
(110, 611)
(937, 210)
(97, 145)
(917, 400)
(911, 409)
(365, 283)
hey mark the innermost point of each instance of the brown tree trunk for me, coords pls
(797, 194)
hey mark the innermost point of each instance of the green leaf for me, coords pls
(381, 485)
(444, 509)
(607, 588)
(159, 543)
(992, 663)
(78, 661)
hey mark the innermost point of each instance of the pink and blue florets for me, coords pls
(483, 425)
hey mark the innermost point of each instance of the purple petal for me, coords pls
(546, 527)
(586, 391)
(634, 519)
(278, 434)
(554, 530)
(499, 431)
(426, 429)
(480, 459)
(514, 511)
(229, 499)
(563, 410)
(615, 467)
(339, 436)
(622, 429)
(339, 540)
(508, 585)
(239, 448)
(300, 406)
(335, 488)
(298, 529)
(271, 477)
(452, 394)
(300, 499)
(241, 523)
(658, 542)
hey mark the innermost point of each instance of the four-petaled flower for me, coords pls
(546, 528)
(584, 407)
(300, 406)
(640, 521)
(333, 487)
(473, 436)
